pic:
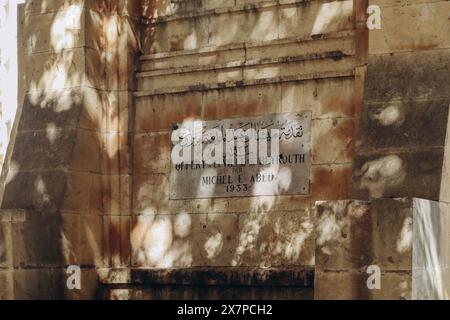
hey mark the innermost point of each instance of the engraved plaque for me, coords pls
(286, 174)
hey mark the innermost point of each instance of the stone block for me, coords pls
(116, 195)
(162, 112)
(90, 287)
(332, 141)
(391, 173)
(430, 25)
(189, 58)
(110, 70)
(239, 102)
(78, 192)
(88, 151)
(315, 18)
(70, 238)
(108, 32)
(105, 111)
(408, 239)
(41, 150)
(331, 181)
(5, 244)
(55, 70)
(275, 239)
(326, 98)
(59, 29)
(115, 153)
(6, 285)
(403, 124)
(152, 153)
(39, 284)
(426, 71)
(354, 235)
(431, 255)
(184, 240)
(343, 285)
(45, 190)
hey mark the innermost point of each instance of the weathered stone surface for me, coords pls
(289, 172)
(280, 56)
(51, 112)
(427, 73)
(403, 124)
(39, 284)
(429, 21)
(261, 21)
(152, 153)
(45, 190)
(218, 283)
(240, 276)
(431, 254)
(326, 98)
(177, 293)
(355, 235)
(335, 285)
(276, 239)
(391, 173)
(116, 241)
(48, 149)
(6, 285)
(37, 241)
(88, 151)
(241, 102)
(331, 182)
(184, 240)
(90, 287)
(162, 112)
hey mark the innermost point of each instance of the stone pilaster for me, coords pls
(69, 169)
(401, 152)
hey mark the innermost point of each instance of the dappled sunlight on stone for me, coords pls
(262, 30)
(273, 236)
(389, 115)
(158, 241)
(405, 238)
(13, 170)
(380, 174)
(206, 190)
(66, 28)
(53, 132)
(182, 225)
(328, 227)
(429, 258)
(329, 13)
(41, 188)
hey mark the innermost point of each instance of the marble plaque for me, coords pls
(287, 174)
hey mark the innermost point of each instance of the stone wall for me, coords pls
(218, 60)
(87, 178)
(402, 151)
(8, 71)
(406, 238)
(67, 182)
